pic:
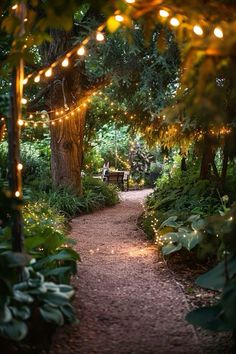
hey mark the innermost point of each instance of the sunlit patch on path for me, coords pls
(127, 301)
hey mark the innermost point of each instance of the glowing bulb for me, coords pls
(218, 32)
(31, 116)
(198, 30)
(37, 78)
(119, 18)
(65, 62)
(25, 81)
(24, 100)
(17, 194)
(44, 125)
(14, 7)
(35, 125)
(20, 122)
(53, 123)
(19, 166)
(100, 37)
(174, 22)
(130, 1)
(48, 73)
(164, 13)
(81, 51)
(42, 116)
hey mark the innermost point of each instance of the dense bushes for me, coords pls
(96, 195)
(184, 212)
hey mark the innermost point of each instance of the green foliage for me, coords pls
(221, 316)
(96, 195)
(187, 234)
(183, 194)
(33, 300)
(35, 157)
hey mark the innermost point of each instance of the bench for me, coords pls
(120, 178)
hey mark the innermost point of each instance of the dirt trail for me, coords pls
(127, 301)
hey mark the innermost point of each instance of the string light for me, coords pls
(119, 18)
(37, 78)
(65, 62)
(174, 22)
(164, 13)
(81, 51)
(25, 81)
(48, 73)
(198, 30)
(19, 166)
(20, 122)
(24, 100)
(14, 7)
(100, 37)
(17, 194)
(218, 32)
(130, 1)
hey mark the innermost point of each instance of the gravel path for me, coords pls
(127, 301)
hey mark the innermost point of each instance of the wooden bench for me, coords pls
(120, 178)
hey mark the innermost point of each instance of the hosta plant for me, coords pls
(184, 234)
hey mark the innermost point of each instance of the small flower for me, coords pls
(225, 198)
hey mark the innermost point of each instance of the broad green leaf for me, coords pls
(22, 297)
(170, 236)
(171, 220)
(198, 224)
(5, 314)
(23, 312)
(190, 240)
(170, 248)
(211, 318)
(15, 330)
(51, 314)
(215, 278)
(193, 218)
(55, 299)
(69, 313)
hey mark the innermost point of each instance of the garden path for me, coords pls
(127, 301)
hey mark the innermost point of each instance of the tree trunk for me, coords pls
(207, 158)
(67, 151)
(67, 88)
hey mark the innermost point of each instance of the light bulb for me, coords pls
(24, 100)
(65, 62)
(218, 32)
(25, 81)
(130, 1)
(119, 18)
(100, 37)
(37, 78)
(198, 30)
(174, 22)
(48, 73)
(164, 13)
(81, 51)
(14, 7)
(20, 122)
(17, 194)
(19, 166)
